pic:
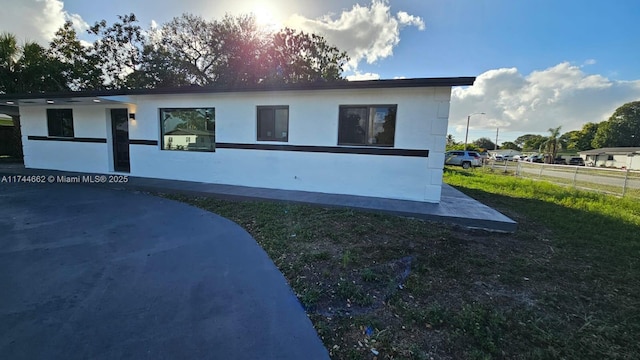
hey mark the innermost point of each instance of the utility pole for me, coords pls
(496, 144)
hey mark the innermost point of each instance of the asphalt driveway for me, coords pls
(87, 272)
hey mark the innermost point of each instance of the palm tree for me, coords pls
(23, 69)
(553, 144)
(9, 55)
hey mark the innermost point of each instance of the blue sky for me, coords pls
(539, 63)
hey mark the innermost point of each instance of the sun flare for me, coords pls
(265, 16)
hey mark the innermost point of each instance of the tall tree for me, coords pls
(485, 143)
(118, 51)
(510, 145)
(450, 140)
(235, 50)
(80, 68)
(622, 129)
(24, 69)
(553, 143)
(530, 142)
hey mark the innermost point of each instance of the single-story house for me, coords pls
(378, 138)
(619, 157)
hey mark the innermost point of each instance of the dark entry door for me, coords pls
(120, 132)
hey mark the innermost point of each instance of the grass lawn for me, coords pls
(565, 285)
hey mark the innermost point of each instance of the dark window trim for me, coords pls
(368, 107)
(70, 139)
(274, 108)
(363, 150)
(50, 117)
(143, 142)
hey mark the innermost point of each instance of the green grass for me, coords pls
(565, 285)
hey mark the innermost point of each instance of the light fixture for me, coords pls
(132, 116)
(49, 101)
(10, 102)
(96, 100)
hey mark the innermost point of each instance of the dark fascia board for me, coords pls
(194, 89)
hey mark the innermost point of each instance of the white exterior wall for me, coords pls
(421, 123)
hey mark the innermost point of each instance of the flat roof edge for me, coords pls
(194, 89)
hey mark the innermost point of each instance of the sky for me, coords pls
(539, 64)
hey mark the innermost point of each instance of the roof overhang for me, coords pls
(122, 95)
(63, 99)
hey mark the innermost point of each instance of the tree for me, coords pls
(484, 143)
(585, 139)
(235, 50)
(80, 69)
(510, 145)
(622, 129)
(451, 140)
(118, 51)
(553, 144)
(24, 69)
(530, 142)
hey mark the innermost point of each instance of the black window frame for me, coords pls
(260, 123)
(344, 139)
(210, 117)
(60, 123)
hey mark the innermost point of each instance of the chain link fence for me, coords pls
(619, 182)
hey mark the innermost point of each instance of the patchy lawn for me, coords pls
(565, 285)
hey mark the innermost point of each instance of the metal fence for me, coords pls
(619, 182)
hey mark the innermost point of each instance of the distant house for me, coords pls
(619, 157)
(378, 138)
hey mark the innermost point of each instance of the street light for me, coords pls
(466, 135)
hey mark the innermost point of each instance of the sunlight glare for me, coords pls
(264, 14)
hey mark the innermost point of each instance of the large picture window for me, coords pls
(371, 125)
(273, 123)
(60, 122)
(188, 129)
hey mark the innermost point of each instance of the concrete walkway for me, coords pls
(87, 272)
(455, 207)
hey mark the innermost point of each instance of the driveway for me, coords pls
(93, 273)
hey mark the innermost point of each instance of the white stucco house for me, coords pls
(379, 138)
(618, 157)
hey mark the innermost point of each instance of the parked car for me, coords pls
(576, 161)
(466, 159)
(535, 158)
(559, 160)
(497, 157)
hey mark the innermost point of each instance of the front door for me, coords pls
(120, 133)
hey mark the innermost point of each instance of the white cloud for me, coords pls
(590, 61)
(562, 95)
(365, 32)
(38, 20)
(358, 76)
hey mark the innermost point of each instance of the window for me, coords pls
(373, 125)
(60, 122)
(189, 129)
(273, 123)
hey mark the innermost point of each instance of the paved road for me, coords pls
(91, 273)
